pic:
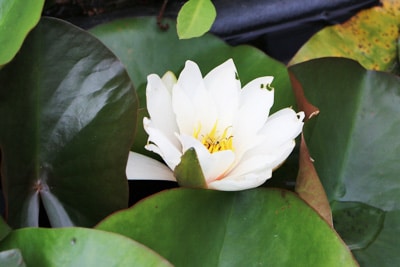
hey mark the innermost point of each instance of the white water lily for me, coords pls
(237, 143)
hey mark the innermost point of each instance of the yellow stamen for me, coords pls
(214, 142)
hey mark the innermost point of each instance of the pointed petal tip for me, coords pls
(140, 167)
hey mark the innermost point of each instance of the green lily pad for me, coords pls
(79, 247)
(259, 227)
(68, 113)
(17, 18)
(355, 146)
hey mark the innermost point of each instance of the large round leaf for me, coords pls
(79, 247)
(17, 18)
(355, 145)
(67, 110)
(260, 227)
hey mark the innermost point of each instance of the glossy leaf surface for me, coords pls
(68, 113)
(259, 227)
(79, 247)
(355, 144)
(17, 18)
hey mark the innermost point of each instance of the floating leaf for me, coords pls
(370, 37)
(195, 18)
(68, 113)
(355, 144)
(259, 227)
(17, 18)
(79, 247)
(359, 224)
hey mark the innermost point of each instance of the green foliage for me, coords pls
(79, 247)
(260, 227)
(17, 18)
(188, 172)
(370, 37)
(67, 122)
(195, 18)
(4, 229)
(354, 142)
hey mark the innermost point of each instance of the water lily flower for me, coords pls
(237, 143)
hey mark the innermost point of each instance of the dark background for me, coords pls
(278, 27)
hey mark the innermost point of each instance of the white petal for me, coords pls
(213, 165)
(162, 145)
(255, 104)
(253, 162)
(184, 110)
(140, 167)
(282, 126)
(224, 87)
(190, 77)
(192, 115)
(169, 79)
(159, 105)
(282, 153)
(251, 180)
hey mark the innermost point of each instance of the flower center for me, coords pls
(214, 141)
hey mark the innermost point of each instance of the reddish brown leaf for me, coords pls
(309, 187)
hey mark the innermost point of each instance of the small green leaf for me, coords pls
(195, 18)
(79, 247)
(258, 227)
(188, 172)
(17, 18)
(11, 258)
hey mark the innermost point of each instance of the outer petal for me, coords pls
(213, 165)
(193, 113)
(159, 105)
(282, 126)
(140, 167)
(169, 80)
(253, 163)
(255, 103)
(159, 143)
(240, 183)
(190, 77)
(224, 88)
